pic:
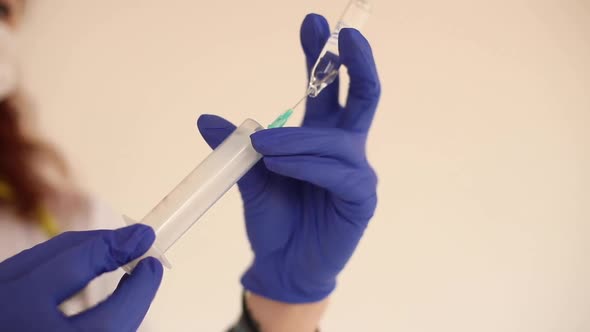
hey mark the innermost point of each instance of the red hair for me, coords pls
(22, 158)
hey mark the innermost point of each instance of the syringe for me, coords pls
(192, 197)
(327, 66)
(210, 180)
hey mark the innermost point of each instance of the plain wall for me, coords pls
(481, 143)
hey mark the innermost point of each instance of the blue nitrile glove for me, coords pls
(34, 282)
(308, 203)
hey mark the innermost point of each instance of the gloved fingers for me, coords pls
(314, 34)
(329, 142)
(71, 270)
(31, 258)
(321, 111)
(126, 308)
(351, 184)
(215, 130)
(365, 89)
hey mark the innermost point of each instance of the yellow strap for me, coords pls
(46, 220)
(5, 191)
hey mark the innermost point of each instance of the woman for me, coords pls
(36, 199)
(306, 206)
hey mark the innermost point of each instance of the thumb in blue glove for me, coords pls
(309, 201)
(35, 282)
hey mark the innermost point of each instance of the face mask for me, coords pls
(8, 68)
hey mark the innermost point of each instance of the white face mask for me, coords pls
(8, 64)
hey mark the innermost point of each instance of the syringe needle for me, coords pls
(283, 118)
(299, 102)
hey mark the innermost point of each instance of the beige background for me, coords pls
(481, 143)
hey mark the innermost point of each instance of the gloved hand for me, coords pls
(34, 282)
(308, 203)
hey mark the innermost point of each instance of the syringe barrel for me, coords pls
(202, 187)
